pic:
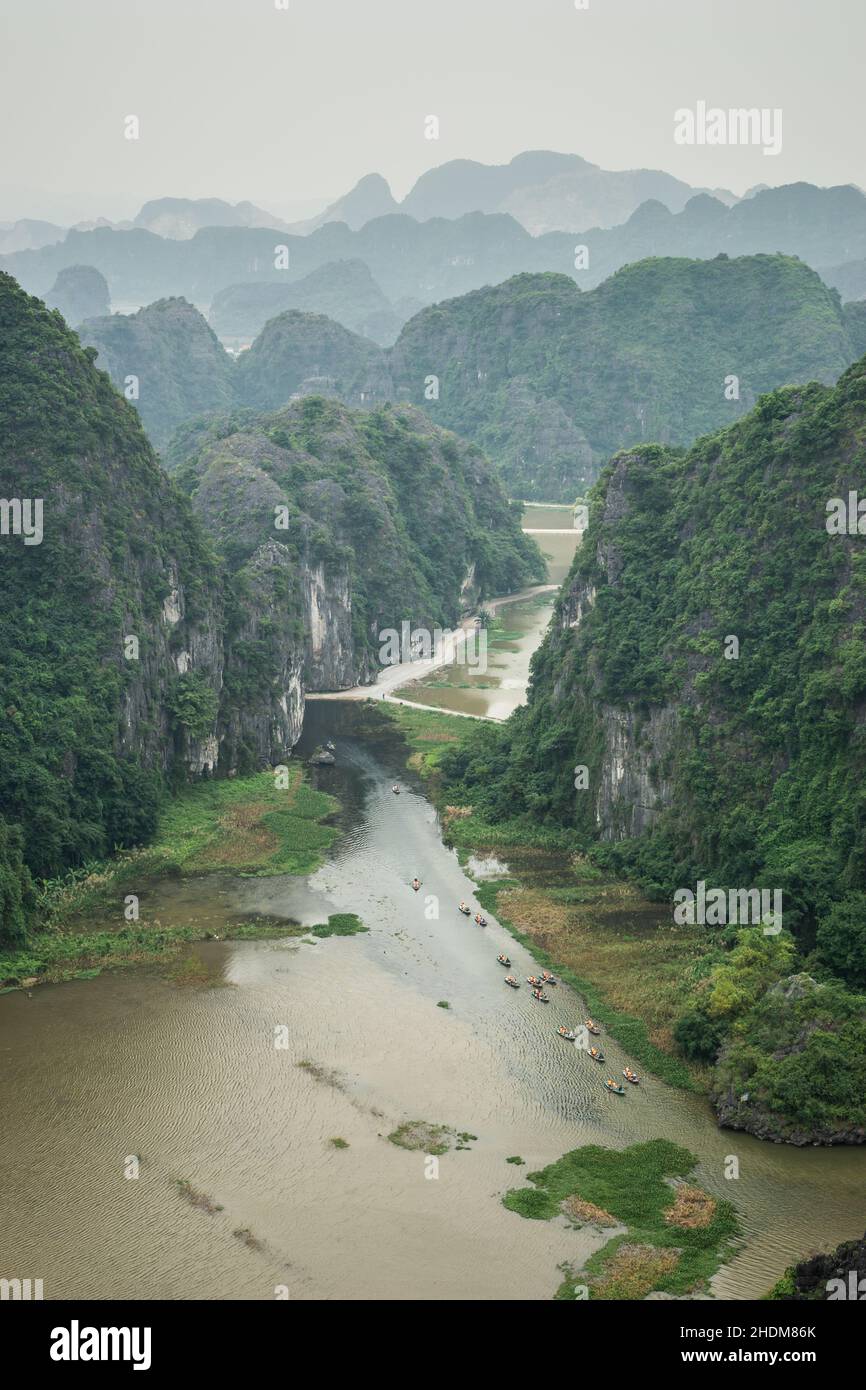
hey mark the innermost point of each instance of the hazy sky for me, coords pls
(239, 99)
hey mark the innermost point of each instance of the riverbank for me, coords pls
(450, 652)
(617, 949)
(188, 1076)
(99, 917)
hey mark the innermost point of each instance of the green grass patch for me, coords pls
(633, 1185)
(247, 825)
(56, 955)
(243, 826)
(339, 924)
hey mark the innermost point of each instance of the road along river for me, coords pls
(447, 681)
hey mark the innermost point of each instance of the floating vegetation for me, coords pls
(328, 1076)
(250, 1241)
(339, 924)
(197, 1199)
(693, 1209)
(423, 1136)
(672, 1248)
(587, 1213)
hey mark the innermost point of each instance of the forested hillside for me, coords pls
(136, 651)
(412, 516)
(550, 382)
(89, 731)
(166, 360)
(707, 666)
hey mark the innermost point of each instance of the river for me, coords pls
(188, 1078)
(496, 691)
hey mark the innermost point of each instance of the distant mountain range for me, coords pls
(542, 190)
(344, 290)
(547, 380)
(180, 218)
(419, 263)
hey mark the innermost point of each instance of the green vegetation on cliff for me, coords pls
(117, 537)
(745, 771)
(179, 365)
(406, 513)
(550, 382)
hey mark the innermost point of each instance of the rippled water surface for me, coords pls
(189, 1079)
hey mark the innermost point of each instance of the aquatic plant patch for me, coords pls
(632, 1188)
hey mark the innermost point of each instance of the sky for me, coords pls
(289, 107)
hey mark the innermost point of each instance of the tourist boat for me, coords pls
(548, 978)
(631, 1076)
(567, 1034)
(503, 960)
(596, 1054)
(542, 998)
(534, 981)
(592, 1027)
(510, 980)
(467, 911)
(614, 1089)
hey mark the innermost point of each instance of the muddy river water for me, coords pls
(190, 1079)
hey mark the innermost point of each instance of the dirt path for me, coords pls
(391, 678)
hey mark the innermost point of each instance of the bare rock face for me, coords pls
(632, 788)
(263, 711)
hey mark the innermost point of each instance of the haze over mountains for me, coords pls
(547, 380)
(373, 278)
(542, 190)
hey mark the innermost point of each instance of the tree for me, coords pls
(841, 940)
